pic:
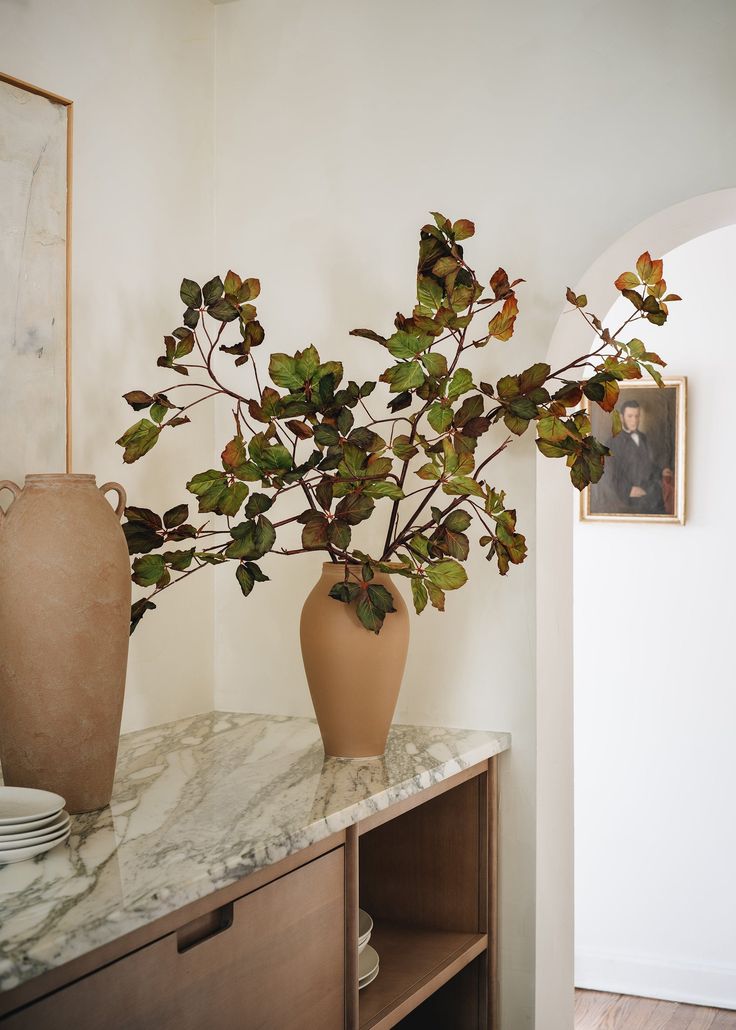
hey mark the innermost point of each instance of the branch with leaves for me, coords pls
(308, 429)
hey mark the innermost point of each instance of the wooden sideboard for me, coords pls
(277, 950)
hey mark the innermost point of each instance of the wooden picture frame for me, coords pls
(645, 476)
(68, 107)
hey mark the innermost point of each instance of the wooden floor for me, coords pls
(595, 1010)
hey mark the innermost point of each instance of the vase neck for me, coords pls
(60, 478)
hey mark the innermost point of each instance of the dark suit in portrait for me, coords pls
(631, 466)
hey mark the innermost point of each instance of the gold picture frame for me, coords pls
(68, 105)
(648, 484)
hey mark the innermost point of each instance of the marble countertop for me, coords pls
(198, 804)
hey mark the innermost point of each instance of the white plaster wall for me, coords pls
(654, 761)
(339, 127)
(140, 76)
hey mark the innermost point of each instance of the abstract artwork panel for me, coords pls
(33, 283)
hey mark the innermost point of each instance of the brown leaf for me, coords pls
(500, 284)
(501, 326)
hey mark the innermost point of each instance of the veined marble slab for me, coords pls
(198, 804)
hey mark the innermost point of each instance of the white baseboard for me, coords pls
(649, 977)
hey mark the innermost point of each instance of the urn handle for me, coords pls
(122, 500)
(7, 484)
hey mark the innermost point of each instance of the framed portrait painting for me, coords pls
(644, 476)
(35, 220)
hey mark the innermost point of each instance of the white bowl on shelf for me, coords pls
(365, 929)
(367, 966)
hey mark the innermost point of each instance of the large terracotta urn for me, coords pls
(354, 675)
(64, 622)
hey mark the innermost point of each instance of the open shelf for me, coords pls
(415, 962)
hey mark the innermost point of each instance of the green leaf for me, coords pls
(429, 292)
(461, 382)
(406, 376)
(471, 407)
(257, 504)
(444, 267)
(552, 450)
(354, 461)
(374, 603)
(345, 421)
(178, 560)
(210, 558)
(283, 371)
(175, 516)
(326, 435)
(248, 573)
(552, 428)
(522, 407)
(440, 417)
(138, 440)
(211, 291)
(435, 363)
(345, 591)
(383, 488)
(534, 377)
(307, 363)
(404, 449)
(251, 539)
(245, 579)
(458, 520)
(419, 594)
(314, 534)
(339, 534)
(627, 281)
(232, 499)
(419, 545)
(463, 229)
(354, 508)
(158, 412)
(138, 610)
(518, 426)
(448, 574)
(190, 293)
(430, 471)
(148, 570)
(271, 459)
(367, 440)
(209, 487)
(142, 535)
(224, 311)
(405, 345)
(463, 486)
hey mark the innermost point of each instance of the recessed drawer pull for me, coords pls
(206, 926)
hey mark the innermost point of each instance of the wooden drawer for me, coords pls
(273, 960)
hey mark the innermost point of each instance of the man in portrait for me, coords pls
(635, 478)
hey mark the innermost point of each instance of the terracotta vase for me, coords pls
(354, 675)
(64, 622)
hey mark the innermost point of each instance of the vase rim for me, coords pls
(60, 477)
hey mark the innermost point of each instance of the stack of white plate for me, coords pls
(367, 956)
(31, 822)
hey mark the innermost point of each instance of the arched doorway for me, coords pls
(660, 234)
